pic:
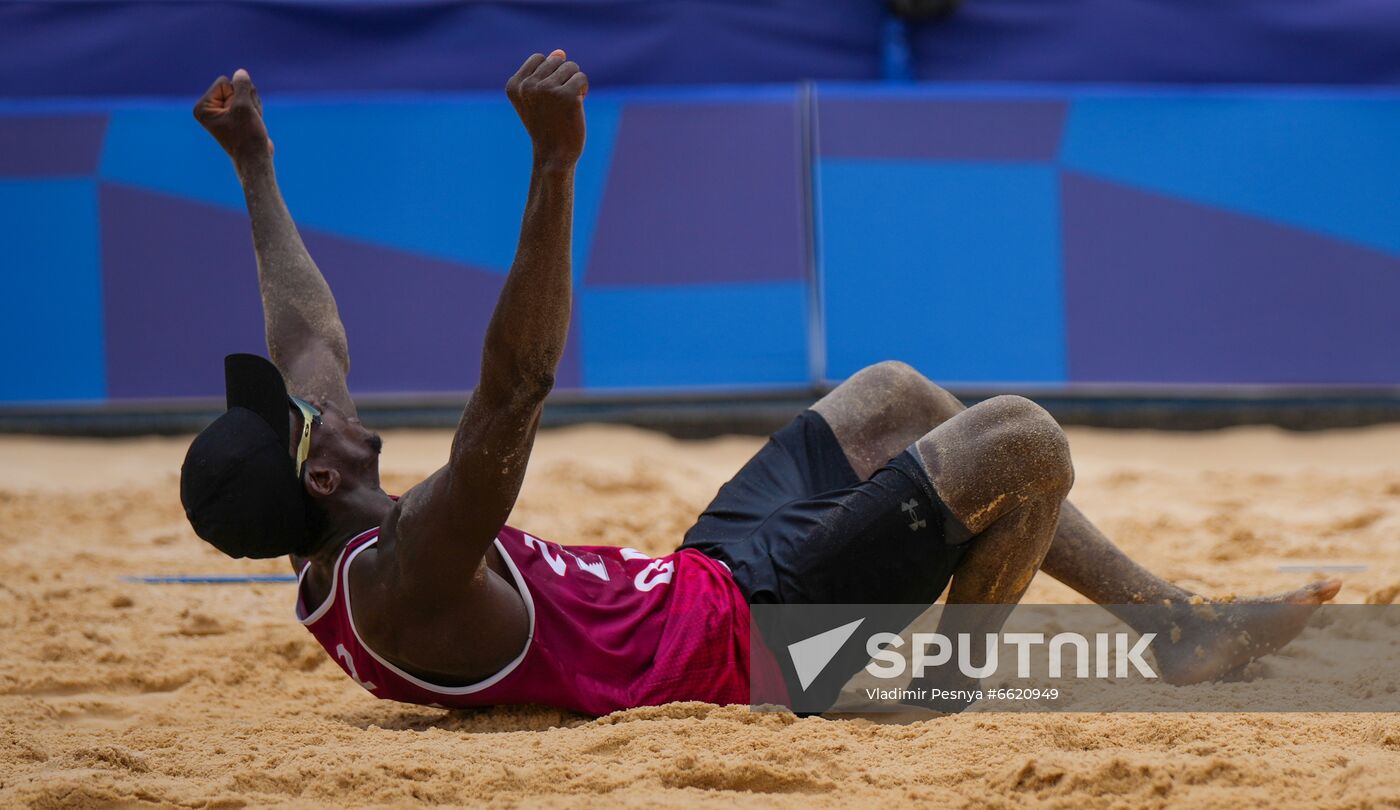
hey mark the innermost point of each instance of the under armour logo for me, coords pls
(911, 508)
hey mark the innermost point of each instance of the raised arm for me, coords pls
(445, 525)
(470, 498)
(530, 324)
(305, 337)
(439, 608)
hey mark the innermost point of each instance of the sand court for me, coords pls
(121, 694)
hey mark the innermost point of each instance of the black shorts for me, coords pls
(797, 525)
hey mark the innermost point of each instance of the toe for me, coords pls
(1318, 592)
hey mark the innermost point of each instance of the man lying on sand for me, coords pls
(888, 490)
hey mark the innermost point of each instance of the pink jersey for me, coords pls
(610, 628)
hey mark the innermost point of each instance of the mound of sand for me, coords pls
(212, 696)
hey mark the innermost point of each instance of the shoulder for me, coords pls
(401, 610)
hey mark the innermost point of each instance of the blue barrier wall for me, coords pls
(130, 269)
(1052, 236)
(1082, 236)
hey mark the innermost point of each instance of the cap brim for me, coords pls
(254, 383)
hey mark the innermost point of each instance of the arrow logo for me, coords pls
(811, 655)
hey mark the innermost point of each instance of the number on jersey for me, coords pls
(656, 572)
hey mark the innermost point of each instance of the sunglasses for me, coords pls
(310, 415)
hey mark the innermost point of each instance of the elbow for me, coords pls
(534, 385)
(516, 382)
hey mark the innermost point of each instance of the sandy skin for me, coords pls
(1003, 468)
(1209, 640)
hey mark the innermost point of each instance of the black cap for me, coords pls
(238, 484)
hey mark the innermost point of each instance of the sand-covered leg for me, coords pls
(882, 409)
(1204, 640)
(1201, 639)
(1002, 468)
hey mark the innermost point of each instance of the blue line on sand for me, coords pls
(212, 580)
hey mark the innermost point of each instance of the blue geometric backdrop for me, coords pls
(1046, 236)
(131, 245)
(1055, 236)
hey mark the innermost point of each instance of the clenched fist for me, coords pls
(548, 92)
(232, 112)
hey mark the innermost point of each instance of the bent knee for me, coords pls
(902, 387)
(892, 375)
(1028, 432)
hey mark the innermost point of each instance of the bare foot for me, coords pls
(1207, 640)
